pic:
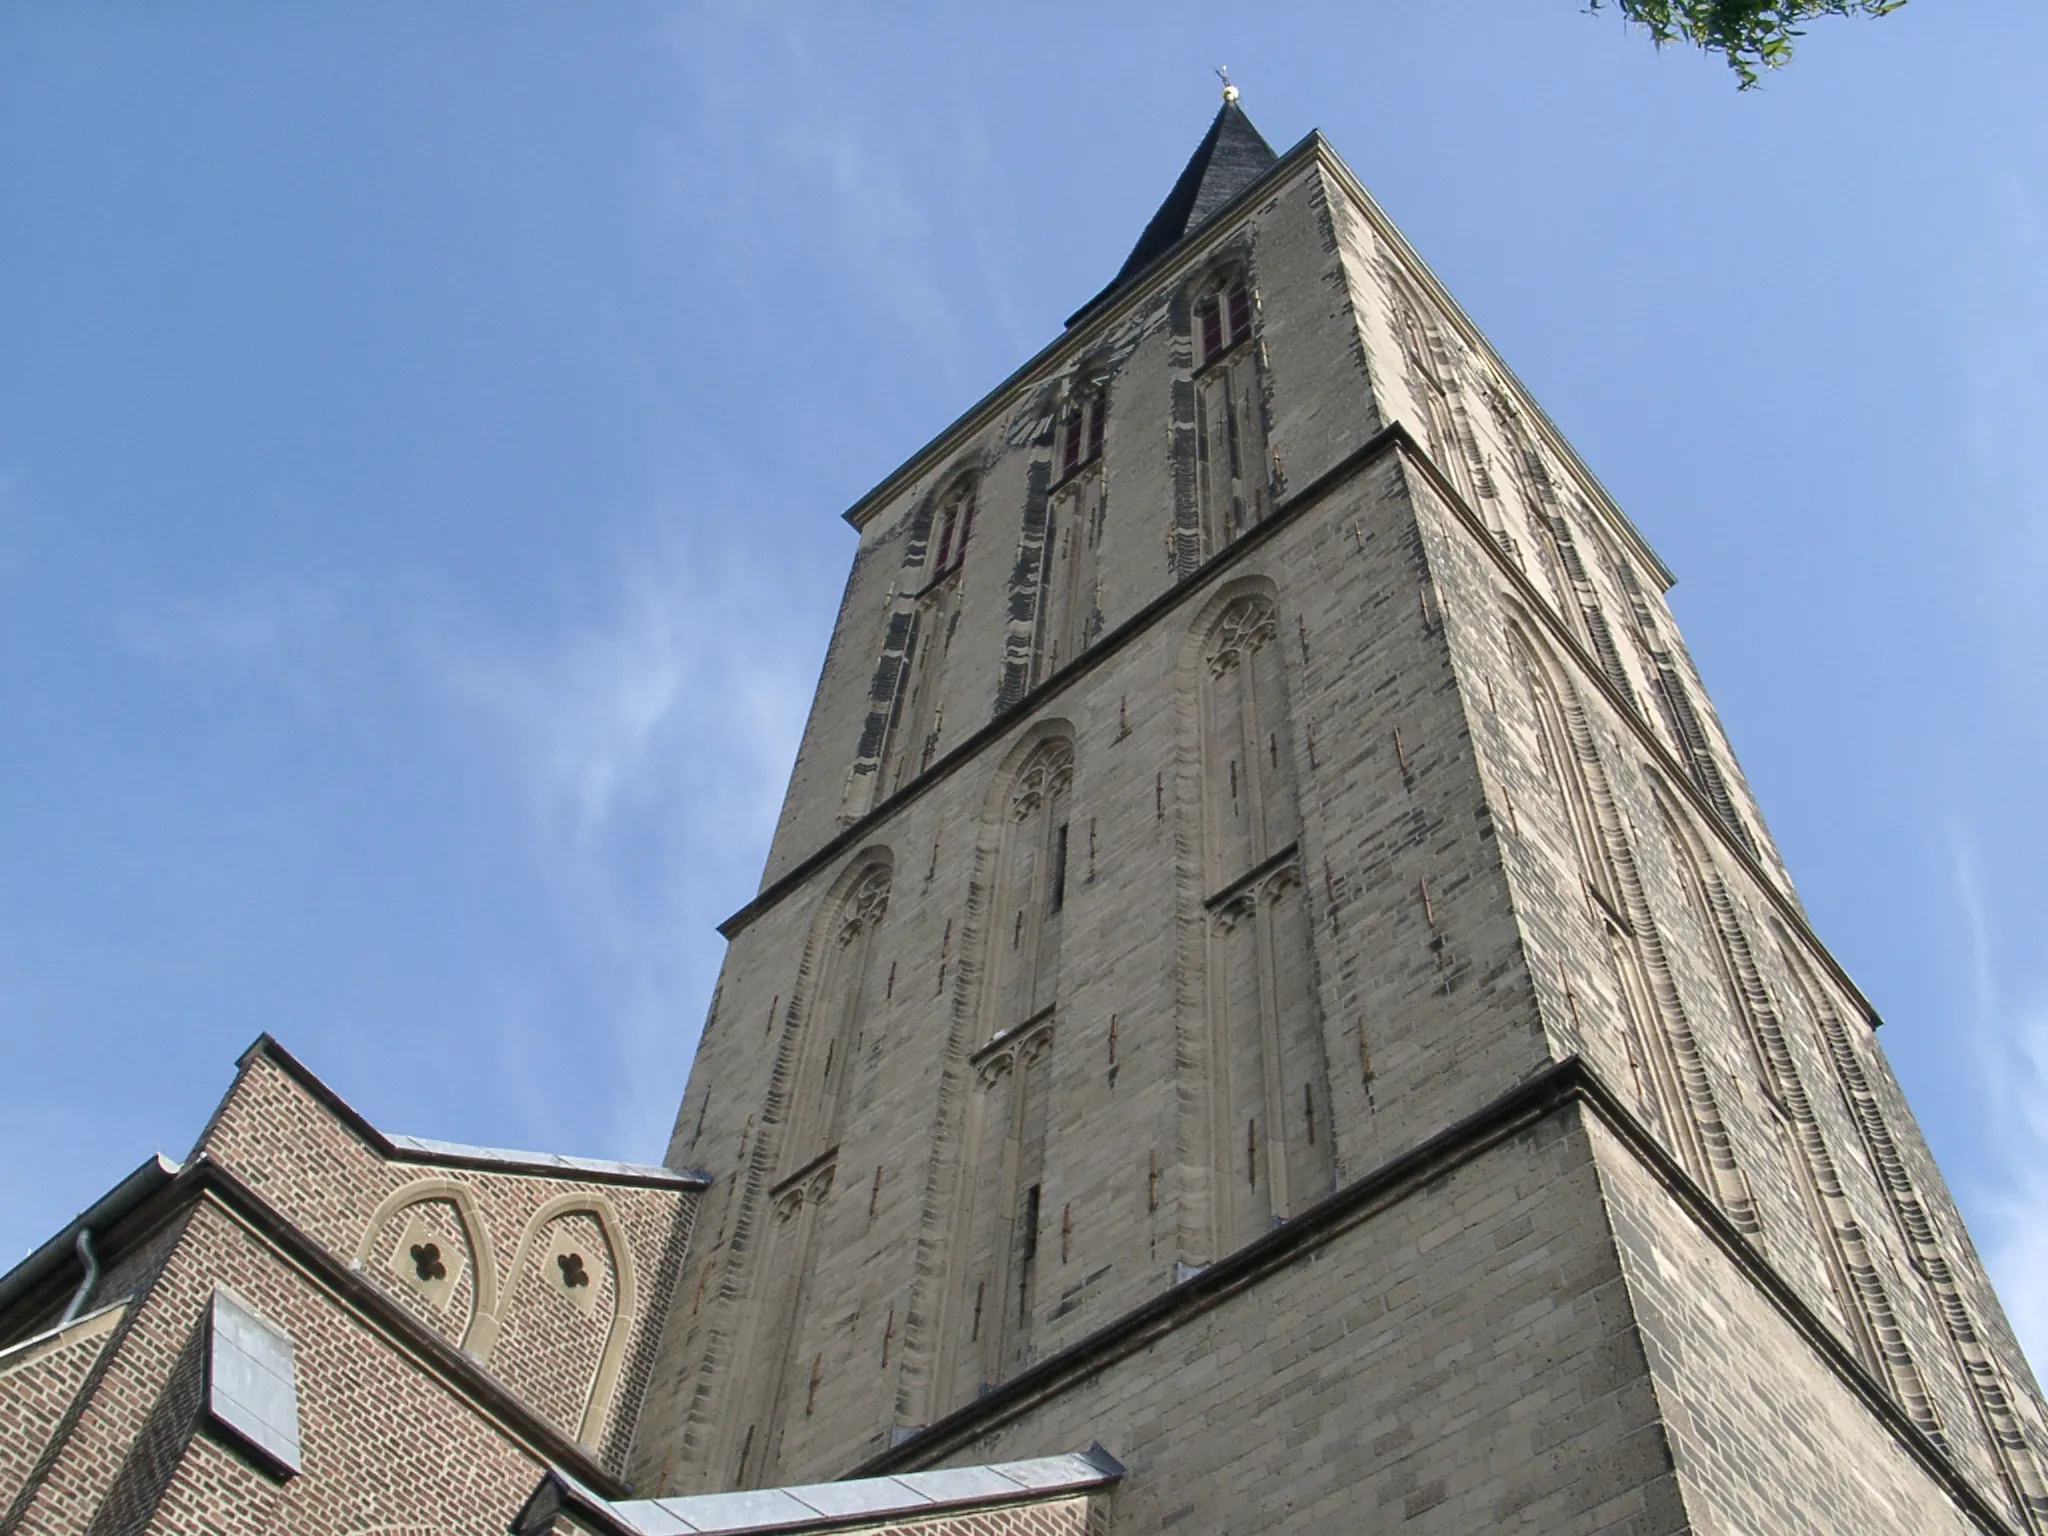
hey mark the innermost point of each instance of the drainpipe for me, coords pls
(85, 1285)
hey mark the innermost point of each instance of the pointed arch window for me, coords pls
(1082, 434)
(1220, 422)
(952, 525)
(1224, 319)
(1066, 614)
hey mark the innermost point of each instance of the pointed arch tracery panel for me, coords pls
(1016, 922)
(764, 1286)
(1864, 1305)
(1256, 1141)
(430, 1237)
(833, 1033)
(1030, 888)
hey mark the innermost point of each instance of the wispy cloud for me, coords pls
(649, 743)
(2009, 1046)
(290, 633)
(669, 697)
(1996, 314)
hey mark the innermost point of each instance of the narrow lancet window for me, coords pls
(1232, 484)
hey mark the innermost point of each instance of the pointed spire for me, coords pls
(1232, 155)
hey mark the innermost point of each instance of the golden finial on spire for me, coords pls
(1229, 90)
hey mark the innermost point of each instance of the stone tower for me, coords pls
(1269, 962)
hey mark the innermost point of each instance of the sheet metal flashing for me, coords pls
(821, 1506)
(552, 1162)
(457, 1154)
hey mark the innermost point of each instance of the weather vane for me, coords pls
(1229, 90)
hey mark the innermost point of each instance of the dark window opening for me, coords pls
(1057, 898)
(1240, 312)
(955, 526)
(1211, 315)
(1225, 319)
(1082, 440)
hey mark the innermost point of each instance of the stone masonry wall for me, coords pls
(1674, 941)
(1742, 1392)
(1425, 1009)
(1319, 409)
(1464, 1359)
(1518, 835)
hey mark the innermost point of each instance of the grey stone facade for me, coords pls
(1268, 961)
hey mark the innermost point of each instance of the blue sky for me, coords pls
(423, 429)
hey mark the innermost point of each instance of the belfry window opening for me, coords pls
(1224, 319)
(955, 524)
(1083, 435)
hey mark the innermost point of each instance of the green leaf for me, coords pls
(1752, 35)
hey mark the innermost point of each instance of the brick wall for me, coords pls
(38, 1382)
(385, 1442)
(545, 1341)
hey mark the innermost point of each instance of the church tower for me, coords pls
(1268, 962)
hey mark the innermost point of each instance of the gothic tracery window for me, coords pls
(1232, 480)
(1027, 898)
(1067, 615)
(1268, 1094)
(918, 712)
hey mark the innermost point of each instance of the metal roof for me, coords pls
(819, 1506)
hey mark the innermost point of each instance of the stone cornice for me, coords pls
(1555, 1089)
(1675, 777)
(1387, 230)
(1392, 438)
(1028, 708)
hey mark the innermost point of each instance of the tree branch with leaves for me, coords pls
(1752, 35)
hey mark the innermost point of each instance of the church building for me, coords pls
(1271, 1007)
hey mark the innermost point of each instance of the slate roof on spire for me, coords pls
(1232, 155)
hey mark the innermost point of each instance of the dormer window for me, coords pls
(955, 523)
(1084, 433)
(1225, 319)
